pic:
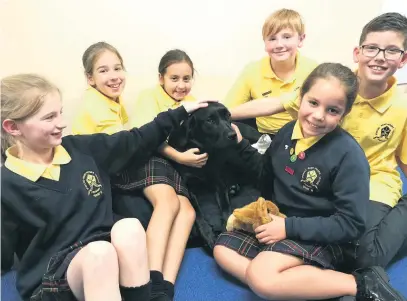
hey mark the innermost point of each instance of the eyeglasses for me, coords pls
(391, 54)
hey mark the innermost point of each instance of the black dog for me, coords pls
(210, 130)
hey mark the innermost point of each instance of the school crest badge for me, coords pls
(92, 184)
(384, 132)
(310, 179)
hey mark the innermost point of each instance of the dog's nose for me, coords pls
(232, 136)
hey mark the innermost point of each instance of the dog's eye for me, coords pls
(209, 120)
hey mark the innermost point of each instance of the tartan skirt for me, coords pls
(329, 256)
(156, 171)
(54, 284)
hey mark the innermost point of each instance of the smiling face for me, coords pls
(283, 45)
(177, 80)
(378, 68)
(44, 129)
(108, 75)
(322, 107)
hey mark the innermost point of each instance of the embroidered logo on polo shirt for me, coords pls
(310, 179)
(384, 132)
(92, 183)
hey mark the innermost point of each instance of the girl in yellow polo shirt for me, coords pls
(101, 109)
(161, 184)
(103, 112)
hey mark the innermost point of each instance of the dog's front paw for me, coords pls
(234, 190)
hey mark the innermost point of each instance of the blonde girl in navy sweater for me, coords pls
(56, 205)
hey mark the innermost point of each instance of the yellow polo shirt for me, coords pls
(33, 171)
(380, 127)
(258, 80)
(151, 102)
(99, 114)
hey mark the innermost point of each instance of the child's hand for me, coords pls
(191, 106)
(192, 158)
(271, 232)
(239, 134)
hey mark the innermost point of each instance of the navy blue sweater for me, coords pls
(325, 195)
(40, 219)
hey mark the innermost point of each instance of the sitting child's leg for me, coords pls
(232, 262)
(166, 207)
(170, 224)
(234, 251)
(181, 228)
(166, 236)
(275, 275)
(129, 239)
(93, 273)
(385, 235)
(278, 276)
(112, 271)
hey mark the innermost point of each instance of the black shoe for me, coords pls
(158, 287)
(373, 285)
(347, 298)
(169, 289)
(163, 292)
(159, 296)
(343, 298)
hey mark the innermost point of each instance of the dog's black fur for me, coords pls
(210, 130)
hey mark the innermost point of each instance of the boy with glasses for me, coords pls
(379, 124)
(378, 121)
(392, 54)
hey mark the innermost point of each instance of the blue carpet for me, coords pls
(200, 279)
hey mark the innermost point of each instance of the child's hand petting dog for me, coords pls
(191, 106)
(192, 158)
(271, 232)
(239, 134)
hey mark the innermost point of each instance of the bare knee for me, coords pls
(100, 254)
(163, 197)
(218, 252)
(265, 287)
(187, 211)
(128, 234)
(221, 254)
(170, 204)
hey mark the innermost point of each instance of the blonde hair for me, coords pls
(22, 96)
(93, 52)
(283, 18)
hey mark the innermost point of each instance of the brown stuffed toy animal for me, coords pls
(253, 215)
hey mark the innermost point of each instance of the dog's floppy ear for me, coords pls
(179, 138)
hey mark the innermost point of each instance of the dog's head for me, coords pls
(208, 129)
